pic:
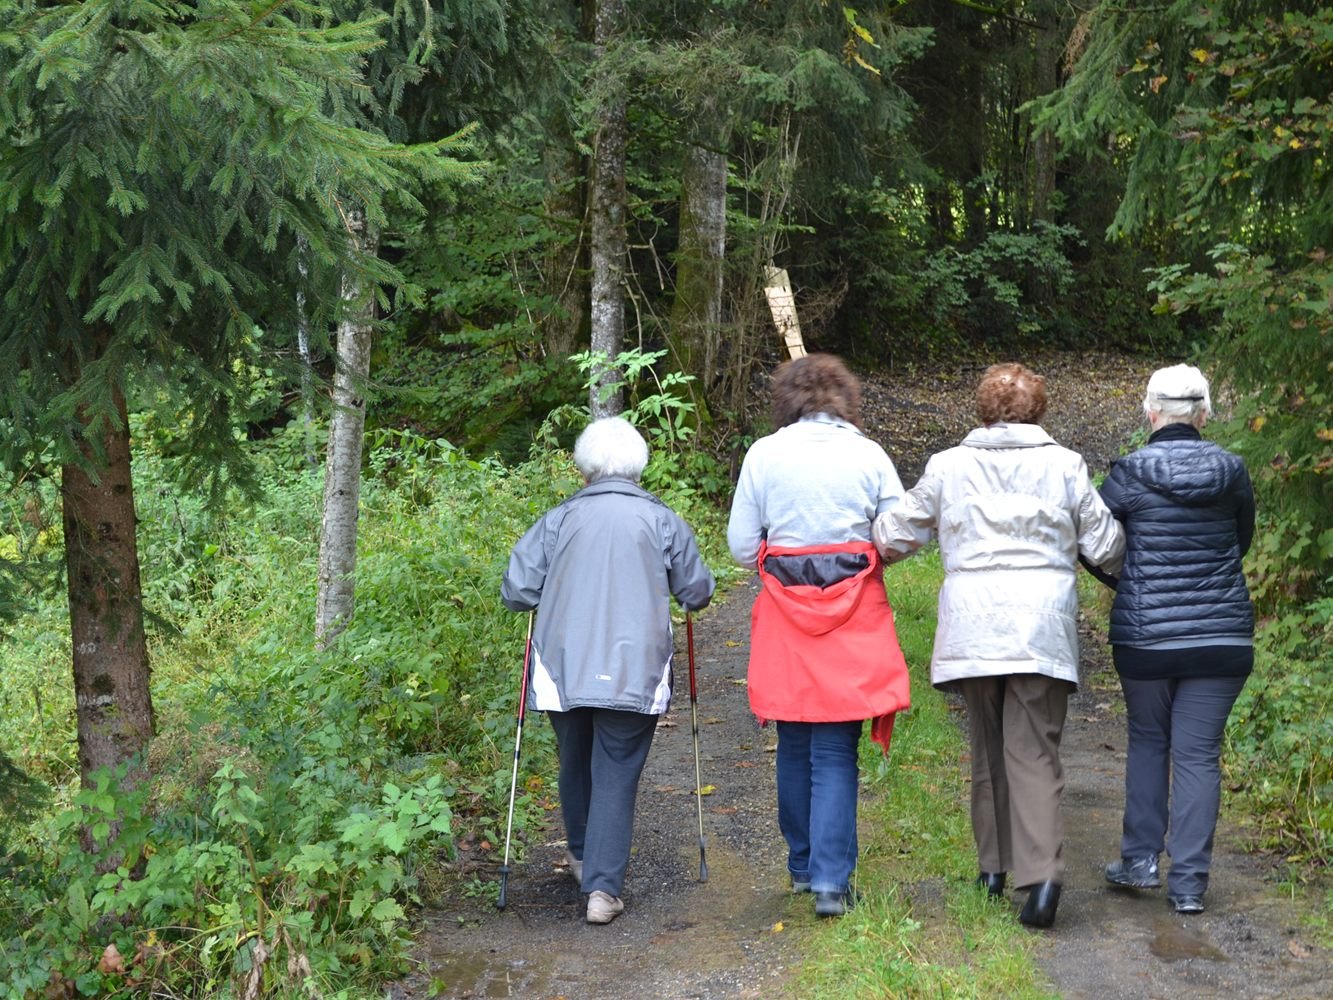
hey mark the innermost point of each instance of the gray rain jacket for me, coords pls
(1013, 512)
(602, 567)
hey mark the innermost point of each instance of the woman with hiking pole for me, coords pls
(600, 569)
(1013, 512)
(824, 655)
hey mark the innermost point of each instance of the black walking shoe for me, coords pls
(834, 904)
(993, 883)
(1039, 911)
(1134, 873)
(1186, 903)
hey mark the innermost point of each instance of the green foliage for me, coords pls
(992, 288)
(1280, 735)
(175, 179)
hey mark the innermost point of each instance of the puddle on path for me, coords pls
(1176, 944)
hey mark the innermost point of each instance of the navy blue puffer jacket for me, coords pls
(1188, 510)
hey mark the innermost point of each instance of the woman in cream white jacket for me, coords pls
(1013, 511)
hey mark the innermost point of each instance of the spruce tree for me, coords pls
(174, 179)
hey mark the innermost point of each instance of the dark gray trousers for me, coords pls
(1173, 779)
(602, 753)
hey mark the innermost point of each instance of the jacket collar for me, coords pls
(615, 484)
(1008, 436)
(1176, 432)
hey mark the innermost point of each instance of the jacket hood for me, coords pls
(1008, 436)
(1178, 464)
(817, 610)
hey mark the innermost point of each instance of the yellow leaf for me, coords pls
(1155, 84)
(1257, 424)
(708, 790)
(1296, 144)
(863, 64)
(777, 928)
(1324, 434)
(1200, 54)
(734, 642)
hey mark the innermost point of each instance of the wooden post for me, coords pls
(782, 303)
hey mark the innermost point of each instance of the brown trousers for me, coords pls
(1015, 722)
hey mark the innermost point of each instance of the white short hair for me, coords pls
(610, 447)
(1179, 394)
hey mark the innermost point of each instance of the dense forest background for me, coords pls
(264, 267)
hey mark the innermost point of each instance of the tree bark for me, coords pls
(566, 275)
(605, 395)
(113, 697)
(342, 473)
(696, 313)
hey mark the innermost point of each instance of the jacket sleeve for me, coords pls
(691, 582)
(521, 588)
(745, 528)
(899, 532)
(1101, 537)
(1244, 511)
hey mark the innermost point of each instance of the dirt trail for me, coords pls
(681, 939)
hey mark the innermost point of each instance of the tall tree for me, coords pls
(162, 165)
(1222, 116)
(607, 209)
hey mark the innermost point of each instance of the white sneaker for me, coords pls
(603, 907)
(575, 867)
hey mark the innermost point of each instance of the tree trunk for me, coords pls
(566, 276)
(605, 395)
(342, 473)
(696, 314)
(113, 698)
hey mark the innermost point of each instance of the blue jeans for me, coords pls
(817, 777)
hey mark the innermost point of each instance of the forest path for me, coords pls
(680, 939)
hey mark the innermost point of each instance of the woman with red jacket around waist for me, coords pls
(824, 654)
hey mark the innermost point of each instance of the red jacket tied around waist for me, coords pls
(826, 650)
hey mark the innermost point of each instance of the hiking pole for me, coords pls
(694, 725)
(518, 742)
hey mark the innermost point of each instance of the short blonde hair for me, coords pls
(1178, 395)
(610, 448)
(1011, 394)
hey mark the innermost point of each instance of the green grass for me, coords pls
(922, 928)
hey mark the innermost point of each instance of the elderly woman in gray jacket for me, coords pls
(601, 569)
(1013, 511)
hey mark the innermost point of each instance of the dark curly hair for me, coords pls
(816, 383)
(1011, 394)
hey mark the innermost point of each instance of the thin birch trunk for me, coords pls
(342, 474)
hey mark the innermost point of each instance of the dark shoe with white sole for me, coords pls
(1039, 911)
(993, 883)
(1134, 873)
(1186, 903)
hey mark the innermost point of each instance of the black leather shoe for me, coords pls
(993, 883)
(1188, 903)
(1039, 911)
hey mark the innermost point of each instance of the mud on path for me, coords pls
(680, 939)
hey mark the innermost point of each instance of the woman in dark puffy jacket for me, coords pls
(1181, 632)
